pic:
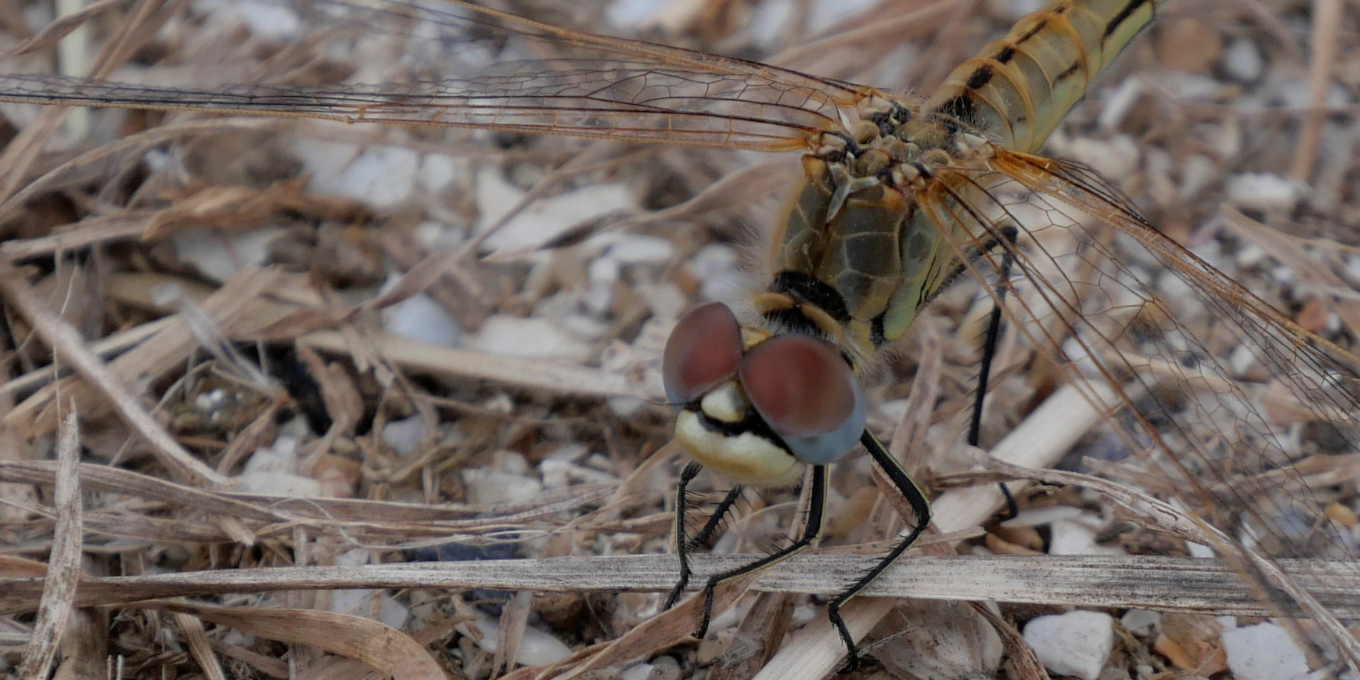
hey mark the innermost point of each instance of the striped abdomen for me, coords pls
(1019, 88)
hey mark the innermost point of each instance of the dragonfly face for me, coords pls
(754, 407)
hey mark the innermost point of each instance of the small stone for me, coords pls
(391, 612)
(270, 472)
(1115, 157)
(1241, 360)
(438, 171)
(421, 318)
(282, 484)
(489, 487)
(544, 219)
(1076, 643)
(633, 249)
(1243, 61)
(1250, 255)
(718, 269)
(403, 435)
(642, 671)
(536, 649)
(218, 256)
(264, 19)
(1140, 621)
(665, 668)
(381, 176)
(1072, 537)
(1037, 517)
(1263, 191)
(1264, 652)
(531, 338)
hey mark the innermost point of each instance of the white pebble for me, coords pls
(1283, 274)
(1019, 8)
(1115, 157)
(544, 219)
(1037, 517)
(284, 484)
(280, 457)
(403, 435)
(438, 171)
(381, 176)
(489, 487)
(1264, 652)
(1119, 102)
(628, 16)
(1196, 173)
(531, 338)
(1199, 550)
(512, 462)
(1188, 86)
(642, 671)
(1297, 93)
(391, 612)
(1250, 255)
(1263, 191)
(1241, 360)
(631, 249)
(536, 649)
(1353, 267)
(1140, 621)
(1072, 537)
(264, 19)
(1076, 643)
(1243, 61)
(216, 255)
(718, 269)
(350, 601)
(421, 318)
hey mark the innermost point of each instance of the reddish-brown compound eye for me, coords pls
(807, 394)
(702, 352)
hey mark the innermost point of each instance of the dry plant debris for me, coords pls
(288, 396)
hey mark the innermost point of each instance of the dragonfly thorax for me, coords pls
(855, 255)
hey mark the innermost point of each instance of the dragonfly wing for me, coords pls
(1178, 348)
(529, 77)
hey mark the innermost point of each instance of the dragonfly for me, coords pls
(899, 197)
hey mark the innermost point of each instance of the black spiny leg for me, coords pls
(1008, 234)
(816, 518)
(683, 546)
(919, 506)
(715, 520)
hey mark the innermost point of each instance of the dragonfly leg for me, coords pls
(1007, 238)
(811, 529)
(705, 535)
(684, 547)
(919, 505)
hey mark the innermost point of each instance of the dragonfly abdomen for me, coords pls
(1019, 88)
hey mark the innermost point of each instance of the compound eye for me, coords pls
(807, 394)
(702, 352)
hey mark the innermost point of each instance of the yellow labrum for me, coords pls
(1017, 90)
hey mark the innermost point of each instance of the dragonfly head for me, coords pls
(756, 407)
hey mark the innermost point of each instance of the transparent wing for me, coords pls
(1215, 384)
(529, 77)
